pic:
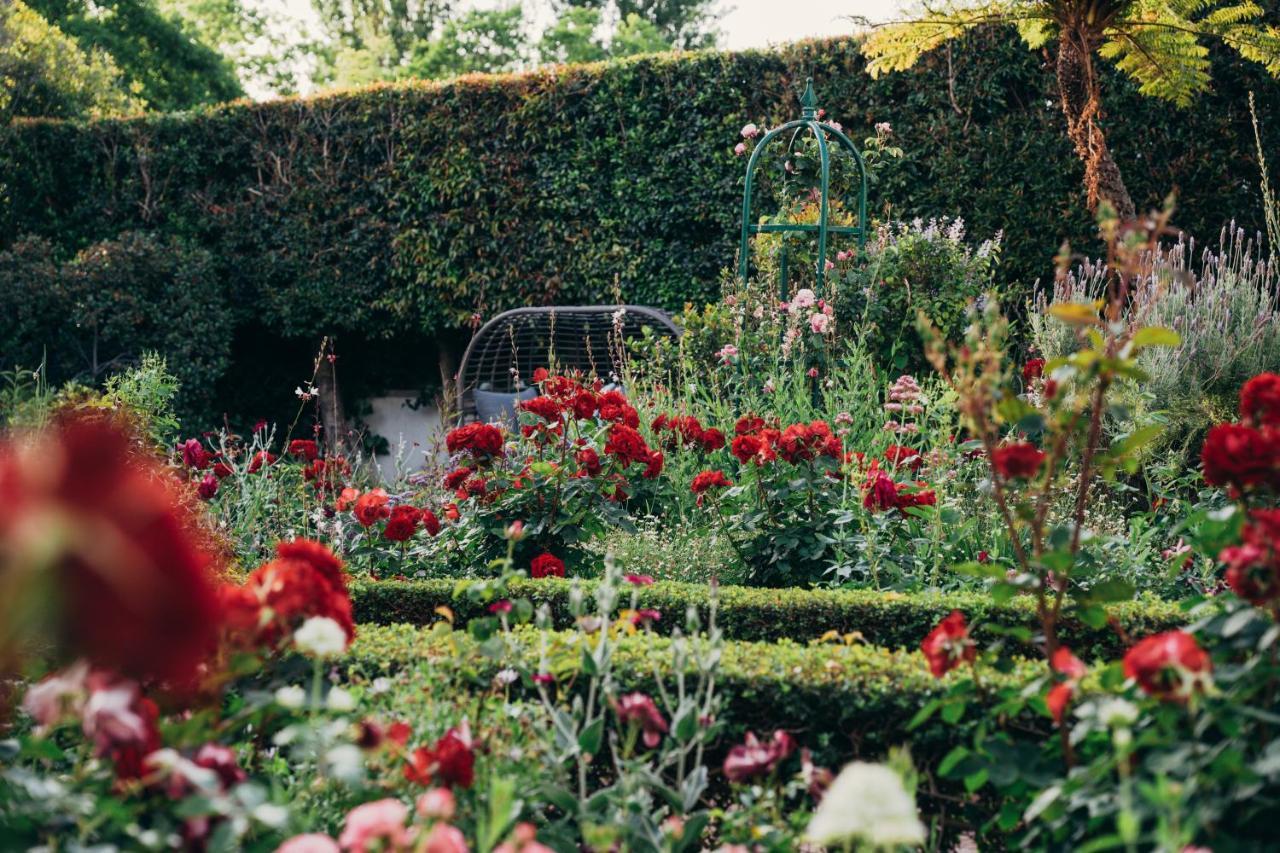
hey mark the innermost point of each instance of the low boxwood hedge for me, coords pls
(842, 701)
(888, 619)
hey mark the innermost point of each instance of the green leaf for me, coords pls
(590, 738)
(1155, 336)
(954, 757)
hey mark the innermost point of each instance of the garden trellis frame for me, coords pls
(808, 121)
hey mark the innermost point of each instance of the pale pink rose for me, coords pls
(58, 695)
(740, 149)
(750, 131)
(381, 820)
(727, 352)
(437, 803)
(836, 126)
(804, 298)
(111, 716)
(844, 256)
(883, 128)
(444, 838)
(312, 842)
(819, 323)
(830, 265)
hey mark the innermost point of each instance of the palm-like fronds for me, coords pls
(1160, 44)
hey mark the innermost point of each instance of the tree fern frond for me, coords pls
(1168, 64)
(898, 46)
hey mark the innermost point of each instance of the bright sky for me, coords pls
(746, 23)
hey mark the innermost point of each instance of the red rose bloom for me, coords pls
(304, 580)
(457, 477)
(802, 442)
(880, 492)
(712, 440)
(1260, 400)
(654, 468)
(1170, 666)
(1033, 369)
(560, 387)
(402, 523)
(134, 586)
(1017, 461)
(371, 507)
(260, 459)
(540, 375)
(584, 405)
(305, 449)
(482, 441)
(430, 523)
(613, 406)
(546, 565)
(949, 645)
(221, 470)
(1253, 566)
(748, 425)
(745, 447)
(626, 445)
(1240, 456)
(918, 496)
(208, 487)
(752, 758)
(589, 461)
(707, 480)
(193, 454)
(450, 761)
(898, 456)
(1060, 694)
(544, 407)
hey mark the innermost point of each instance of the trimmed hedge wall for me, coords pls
(401, 210)
(842, 701)
(885, 619)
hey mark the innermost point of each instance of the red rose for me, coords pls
(745, 447)
(457, 477)
(371, 507)
(748, 425)
(1033, 369)
(1240, 456)
(430, 523)
(402, 523)
(1169, 666)
(706, 481)
(949, 645)
(1253, 566)
(544, 407)
(915, 497)
(135, 589)
(560, 387)
(880, 492)
(451, 761)
(208, 487)
(221, 470)
(540, 375)
(712, 440)
(584, 405)
(589, 461)
(654, 468)
(482, 441)
(1260, 400)
(1058, 698)
(304, 448)
(802, 442)
(304, 580)
(626, 445)
(897, 456)
(752, 758)
(613, 406)
(261, 458)
(546, 565)
(1060, 694)
(193, 454)
(1017, 461)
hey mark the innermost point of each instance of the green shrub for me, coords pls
(99, 312)
(886, 619)
(841, 700)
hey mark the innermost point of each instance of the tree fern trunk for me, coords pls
(1078, 87)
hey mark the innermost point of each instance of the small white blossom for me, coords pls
(320, 637)
(291, 696)
(340, 700)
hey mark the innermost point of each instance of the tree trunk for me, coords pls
(332, 415)
(1078, 87)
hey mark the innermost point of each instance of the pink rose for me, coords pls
(437, 803)
(740, 149)
(312, 842)
(57, 696)
(376, 821)
(444, 838)
(750, 131)
(819, 323)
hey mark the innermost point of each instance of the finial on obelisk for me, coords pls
(808, 100)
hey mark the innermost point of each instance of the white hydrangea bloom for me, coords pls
(868, 803)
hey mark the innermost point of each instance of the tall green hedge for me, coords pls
(402, 210)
